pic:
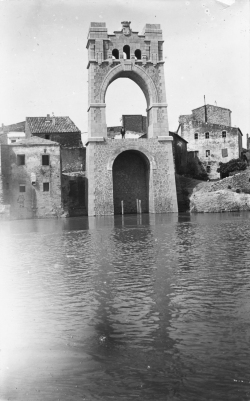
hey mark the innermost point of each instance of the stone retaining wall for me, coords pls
(239, 181)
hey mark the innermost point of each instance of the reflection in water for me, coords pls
(146, 307)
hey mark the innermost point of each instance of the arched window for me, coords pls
(138, 54)
(196, 135)
(115, 54)
(126, 50)
(207, 135)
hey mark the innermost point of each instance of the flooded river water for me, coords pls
(156, 308)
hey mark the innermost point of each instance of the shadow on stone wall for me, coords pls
(195, 168)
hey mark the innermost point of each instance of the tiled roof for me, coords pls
(40, 125)
(34, 140)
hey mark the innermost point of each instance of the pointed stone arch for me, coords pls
(137, 74)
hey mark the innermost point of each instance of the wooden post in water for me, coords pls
(122, 207)
(137, 206)
(140, 206)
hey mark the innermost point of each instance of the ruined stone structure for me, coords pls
(144, 166)
(209, 133)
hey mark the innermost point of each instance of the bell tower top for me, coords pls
(146, 47)
(126, 53)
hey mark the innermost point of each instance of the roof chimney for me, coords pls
(53, 119)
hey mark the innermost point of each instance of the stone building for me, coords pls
(135, 123)
(209, 133)
(31, 178)
(129, 169)
(135, 126)
(63, 131)
(57, 129)
(16, 130)
(65, 172)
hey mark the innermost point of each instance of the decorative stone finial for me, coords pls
(126, 28)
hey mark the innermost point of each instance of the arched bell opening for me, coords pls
(115, 54)
(138, 54)
(131, 171)
(126, 52)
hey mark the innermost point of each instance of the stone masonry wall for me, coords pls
(215, 143)
(162, 190)
(34, 201)
(215, 115)
(73, 159)
(4, 174)
(240, 181)
(69, 139)
(134, 123)
(73, 195)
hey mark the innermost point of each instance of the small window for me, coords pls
(47, 136)
(45, 186)
(115, 54)
(45, 160)
(21, 188)
(20, 160)
(207, 135)
(196, 135)
(207, 153)
(208, 169)
(138, 54)
(224, 152)
(13, 140)
(224, 134)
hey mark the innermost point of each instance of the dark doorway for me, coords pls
(130, 182)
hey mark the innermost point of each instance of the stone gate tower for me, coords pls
(128, 169)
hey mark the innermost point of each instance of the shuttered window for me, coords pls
(224, 152)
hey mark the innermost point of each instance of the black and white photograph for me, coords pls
(125, 200)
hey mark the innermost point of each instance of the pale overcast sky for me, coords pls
(44, 57)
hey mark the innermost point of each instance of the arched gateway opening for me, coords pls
(131, 182)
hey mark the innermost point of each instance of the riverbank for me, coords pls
(226, 195)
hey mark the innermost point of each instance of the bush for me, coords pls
(196, 170)
(229, 187)
(238, 191)
(229, 167)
